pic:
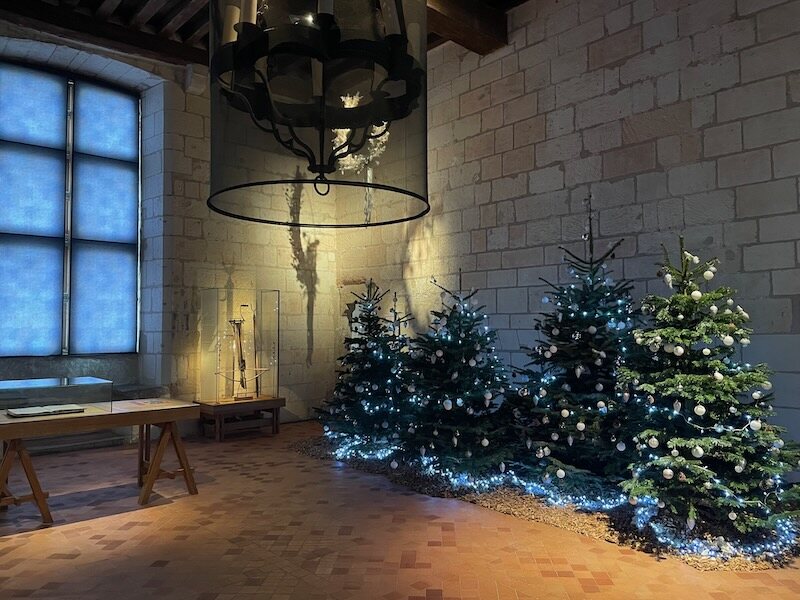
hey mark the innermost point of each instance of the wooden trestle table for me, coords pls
(163, 413)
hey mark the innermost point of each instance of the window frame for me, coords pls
(71, 79)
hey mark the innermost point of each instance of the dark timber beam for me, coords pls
(179, 18)
(69, 24)
(469, 23)
(106, 9)
(146, 12)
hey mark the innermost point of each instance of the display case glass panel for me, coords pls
(239, 345)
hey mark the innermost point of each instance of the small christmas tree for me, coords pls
(708, 455)
(458, 378)
(364, 416)
(567, 410)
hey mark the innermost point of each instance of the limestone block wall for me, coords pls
(677, 116)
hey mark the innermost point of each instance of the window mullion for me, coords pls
(68, 218)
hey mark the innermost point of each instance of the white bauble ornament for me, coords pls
(570, 440)
(592, 329)
(599, 387)
(578, 371)
(778, 444)
(714, 309)
(555, 331)
(393, 464)
(561, 474)
(626, 396)
(767, 385)
(708, 275)
(706, 352)
(484, 442)
(690, 523)
(411, 430)
(542, 393)
(553, 349)
(580, 426)
(529, 443)
(738, 468)
(454, 376)
(487, 395)
(564, 413)
(652, 442)
(436, 432)
(598, 361)
(674, 452)
(679, 351)
(468, 453)
(633, 500)
(696, 295)
(732, 516)
(640, 340)
(708, 485)
(653, 347)
(422, 450)
(757, 395)
(601, 404)
(470, 411)
(698, 452)
(472, 362)
(486, 403)
(546, 451)
(718, 376)
(621, 446)
(668, 473)
(412, 388)
(728, 340)
(385, 425)
(374, 387)
(755, 424)
(359, 389)
(439, 353)
(448, 404)
(661, 504)
(502, 467)
(744, 341)
(554, 436)
(539, 453)
(699, 410)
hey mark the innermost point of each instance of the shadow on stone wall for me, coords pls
(304, 262)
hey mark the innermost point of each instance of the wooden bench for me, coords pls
(223, 416)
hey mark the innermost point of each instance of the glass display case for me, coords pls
(239, 331)
(52, 396)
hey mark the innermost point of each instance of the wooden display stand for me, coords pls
(225, 417)
(162, 413)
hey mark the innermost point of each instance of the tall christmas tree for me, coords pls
(567, 410)
(708, 454)
(365, 414)
(458, 378)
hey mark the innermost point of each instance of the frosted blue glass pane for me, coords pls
(31, 271)
(33, 106)
(106, 200)
(32, 184)
(106, 122)
(103, 304)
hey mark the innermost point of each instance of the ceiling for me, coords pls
(177, 30)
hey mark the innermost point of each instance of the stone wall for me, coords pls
(677, 116)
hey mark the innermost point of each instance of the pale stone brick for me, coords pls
(527, 257)
(660, 30)
(774, 58)
(753, 99)
(619, 19)
(794, 87)
(748, 7)
(543, 231)
(542, 205)
(537, 77)
(516, 235)
(529, 131)
(643, 10)
(573, 227)
(568, 65)
(534, 276)
(610, 79)
(580, 88)
(603, 137)
(466, 127)
(725, 139)
(786, 159)
(773, 197)
(602, 109)
(558, 149)
(520, 108)
(705, 14)
(582, 35)
(737, 35)
(546, 180)
(547, 99)
(651, 186)
(670, 214)
(657, 123)
(560, 122)
(668, 89)
(512, 300)
(772, 128)
(679, 149)
(629, 160)
(479, 146)
(476, 100)
(778, 22)
(707, 78)
(507, 88)
(776, 229)
(615, 48)
(706, 45)
(643, 96)
(561, 20)
(624, 220)
(518, 160)
(664, 59)
(688, 179)
(583, 170)
(786, 282)
(538, 53)
(741, 232)
(748, 167)
(765, 257)
(503, 139)
(501, 279)
(486, 74)
(509, 187)
(589, 9)
(497, 238)
(709, 207)
(617, 193)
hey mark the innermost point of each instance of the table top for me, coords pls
(241, 404)
(99, 415)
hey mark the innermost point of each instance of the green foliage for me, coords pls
(458, 379)
(369, 403)
(707, 452)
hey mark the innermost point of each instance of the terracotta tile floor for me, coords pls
(271, 524)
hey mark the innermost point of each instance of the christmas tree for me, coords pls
(365, 415)
(456, 426)
(708, 455)
(567, 410)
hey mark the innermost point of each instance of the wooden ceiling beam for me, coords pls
(469, 23)
(106, 9)
(69, 24)
(146, 12)
(198, 34)
(179, 18)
